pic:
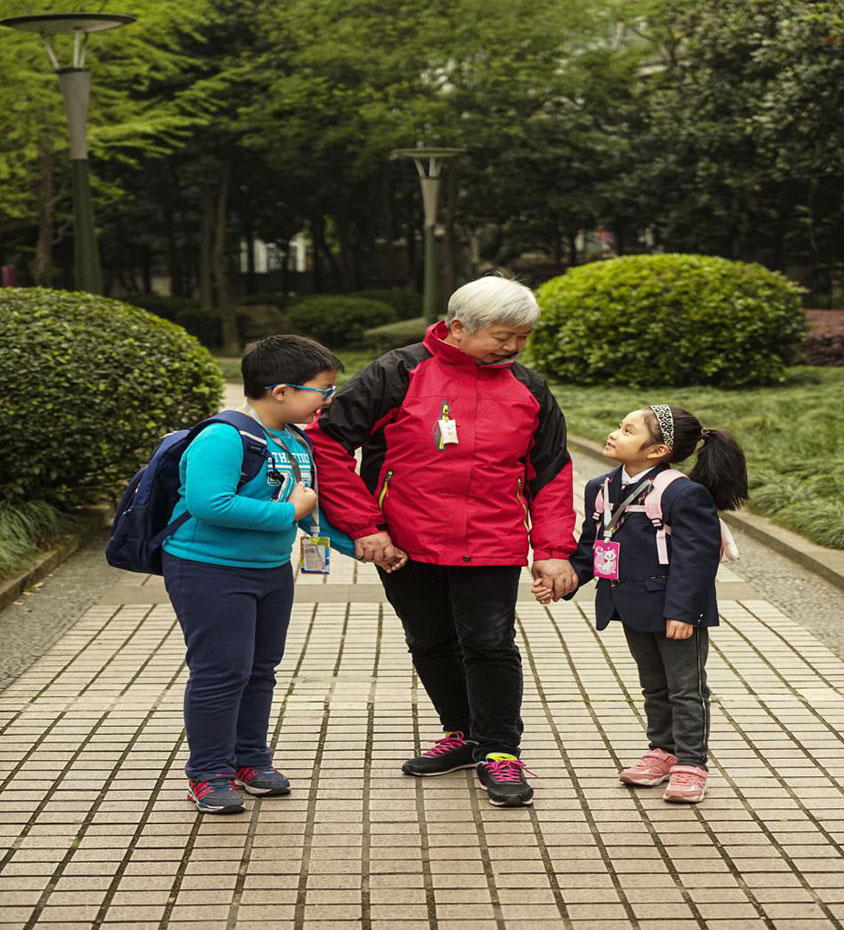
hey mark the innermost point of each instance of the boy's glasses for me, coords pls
(326, 392)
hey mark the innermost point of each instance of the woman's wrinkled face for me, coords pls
(490, 345)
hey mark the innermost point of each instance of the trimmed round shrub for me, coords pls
(337, 320)
(255, 321)
(397, 335)
(407, 304)
(668, 319)
(88, 386)
(824, 343)
(206, 325)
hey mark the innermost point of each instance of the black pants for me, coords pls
(672, 673)
(459, 624)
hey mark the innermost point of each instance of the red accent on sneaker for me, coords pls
(652, 769)
(448, 743)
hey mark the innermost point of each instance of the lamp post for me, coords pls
(429, 163)
(75, 82)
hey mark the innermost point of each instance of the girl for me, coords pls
(656, 567)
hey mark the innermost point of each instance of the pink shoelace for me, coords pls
(446, 744)
(507, 770)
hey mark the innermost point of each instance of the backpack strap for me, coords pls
(255, 452)
(653, 509)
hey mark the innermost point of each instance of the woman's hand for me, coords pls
(304, 500)
(677, 629)
(394, 564)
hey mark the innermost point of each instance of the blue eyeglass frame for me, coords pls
(326, 392)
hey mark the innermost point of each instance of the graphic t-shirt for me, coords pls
(253, 528)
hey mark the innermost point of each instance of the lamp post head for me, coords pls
(77, 24)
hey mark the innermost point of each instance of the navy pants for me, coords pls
(235, 623)
(460, 626)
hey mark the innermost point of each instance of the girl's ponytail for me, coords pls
(720, 467)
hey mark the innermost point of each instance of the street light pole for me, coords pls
(429, 163)
(75, 83)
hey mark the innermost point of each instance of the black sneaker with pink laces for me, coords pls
(216, 795)
(502, 776)
(448, 754)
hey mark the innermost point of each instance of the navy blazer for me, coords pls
(648, 593)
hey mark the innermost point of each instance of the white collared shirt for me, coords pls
(626, 479)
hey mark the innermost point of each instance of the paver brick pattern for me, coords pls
(95, 830)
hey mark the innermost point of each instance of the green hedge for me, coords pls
(668, 319)
(88, 386)
(397, 335)
(407, 304)
(167, 308)
(337, 320)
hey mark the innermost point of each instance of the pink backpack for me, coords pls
(652, 508)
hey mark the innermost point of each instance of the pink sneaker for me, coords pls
(652, 769)
(687, 784)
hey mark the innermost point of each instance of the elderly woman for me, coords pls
(464, 463)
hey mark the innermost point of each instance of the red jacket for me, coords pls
(469, 503)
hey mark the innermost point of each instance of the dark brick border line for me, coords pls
(419, 794)
(310, 816)
(566, 759)
(748, 806)
(102, 794)
(243, 868)
(61, 671)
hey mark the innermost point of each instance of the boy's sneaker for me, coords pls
(502, 776)
(263, 782)
(687, 784)
(448, 754)
(652, 769)
(216, 795)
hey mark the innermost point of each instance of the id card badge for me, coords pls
(448, 432)
(316, 555)
(605, 557)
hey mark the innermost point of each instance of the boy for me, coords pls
(227, 569)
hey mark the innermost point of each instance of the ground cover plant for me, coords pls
(790, 432)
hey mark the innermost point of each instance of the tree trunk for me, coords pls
(449, 274)
(43, 265)
(228, 321)
(206, 226)
(321, 245)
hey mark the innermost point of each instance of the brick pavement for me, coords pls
(95, 830)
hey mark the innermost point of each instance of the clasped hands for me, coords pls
(380, 549)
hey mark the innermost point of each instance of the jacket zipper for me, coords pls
(385, 487)
(520, 499)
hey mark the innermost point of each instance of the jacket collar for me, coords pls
(435, 343)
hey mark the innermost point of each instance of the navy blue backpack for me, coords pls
(141, 523)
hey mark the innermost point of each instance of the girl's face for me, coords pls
(632, 443)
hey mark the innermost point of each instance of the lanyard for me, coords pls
(291, 459)
(611, 521)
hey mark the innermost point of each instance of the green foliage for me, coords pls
(206, 325)
(338, 320)
(26, 527)
(668, 319)
(254, 321)
(396, 335)
(790, 433)
(407, 304)
(168, 308)
(88, 386)
(263, 298)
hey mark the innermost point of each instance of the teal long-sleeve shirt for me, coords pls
(245, 529)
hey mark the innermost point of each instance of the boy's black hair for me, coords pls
(720, 467)
(284, 360)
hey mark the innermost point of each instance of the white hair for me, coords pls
(490, 301)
